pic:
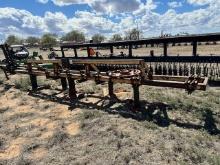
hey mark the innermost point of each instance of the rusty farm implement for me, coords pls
(89, 70)
(134, 71)
(184, 72)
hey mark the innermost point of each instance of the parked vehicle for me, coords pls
(19, 52)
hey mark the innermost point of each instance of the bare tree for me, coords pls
(12, 39)
(32, 40)
(98, 38)
(48, 40)
(133, 34)
(116, 37)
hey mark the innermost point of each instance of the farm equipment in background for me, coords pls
(16, 57)
(53, 54)
(9, 64)
(165, 64)
(14, 52)
(18, 52)
(70, 70)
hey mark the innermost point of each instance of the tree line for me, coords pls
(73, 36)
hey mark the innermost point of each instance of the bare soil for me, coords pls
(171, 127)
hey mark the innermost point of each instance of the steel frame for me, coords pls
(70, 69)
(193, 39)
(62, 70)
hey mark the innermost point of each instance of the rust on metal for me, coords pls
(184, 72)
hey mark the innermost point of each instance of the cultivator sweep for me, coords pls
(184, 72)
(211, 70)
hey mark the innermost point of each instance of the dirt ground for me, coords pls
(43, 127)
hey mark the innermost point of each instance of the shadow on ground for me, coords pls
(6, 88)
(155, 112)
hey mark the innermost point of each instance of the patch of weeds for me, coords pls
(87, 116)
(90, 88)
(202, 139)
(44, 107)
(131, 156)
(90, 114)
(23, 161)
(3, 162)
(206, 105)
(214, 160)
(23, 83)
(97, 88)
(197, 113)
(4, 109)
(178, 147)
(30, 147)
(2, 143)
(23, 101)
(120, 134)
(1, 81)
(182, 163)
(16, 95)
(189, 105)
(47, 106)
(52, 84)
(2, 77)
(21, 115)
(16, 132)
(123, 87)
(196, 155)
(150, 125)
(176, 103)
(126, 158)
(58, 137)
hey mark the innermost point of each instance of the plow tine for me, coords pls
(170, 69)
(186, 70)
(218, 70)
(174, 69)
(164, 69)
(180, 70)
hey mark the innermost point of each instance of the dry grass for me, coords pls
(44, 128)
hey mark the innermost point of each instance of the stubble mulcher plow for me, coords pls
(184, 72)
(138, 73)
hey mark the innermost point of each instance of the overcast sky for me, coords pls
(36, 17)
